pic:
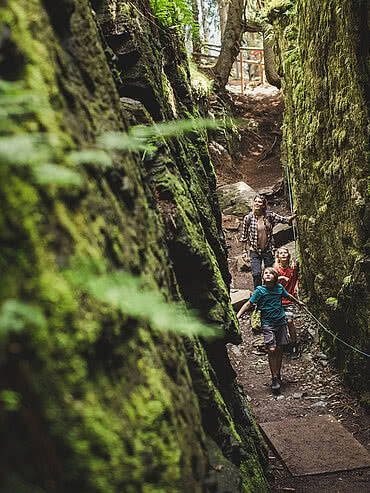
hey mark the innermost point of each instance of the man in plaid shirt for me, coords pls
(257, 233)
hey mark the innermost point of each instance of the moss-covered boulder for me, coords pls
(236, 198)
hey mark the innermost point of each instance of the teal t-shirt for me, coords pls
(269, 301)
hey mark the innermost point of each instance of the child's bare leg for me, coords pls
(294, 350)
(279, 359)
(271, 357)
(275, 356)
(292, 331)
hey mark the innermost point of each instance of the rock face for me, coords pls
(236, 199)
(94, 397)
(324, 66)
(239, 297)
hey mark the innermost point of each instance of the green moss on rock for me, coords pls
(325, 75)
(106, 403)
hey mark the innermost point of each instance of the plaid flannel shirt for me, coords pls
(249, 229)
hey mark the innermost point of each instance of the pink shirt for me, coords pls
(291, 285)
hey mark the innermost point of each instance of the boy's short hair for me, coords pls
(274, 272)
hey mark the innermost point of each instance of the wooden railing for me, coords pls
(257, 54)
(254, 57)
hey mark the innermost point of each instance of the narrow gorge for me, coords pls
(115, 315)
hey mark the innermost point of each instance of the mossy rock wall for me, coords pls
(324, 62)
(106, 402)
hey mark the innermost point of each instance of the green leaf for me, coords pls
(91, 156)
(10, 400)
(59, 175)
(173, 128)
(26, 149)
(126, 293)
(139, 137)
(121, 141)
(16, 315)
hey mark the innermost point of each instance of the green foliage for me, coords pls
(124, 142)
(252, 11)
(91, 156)
(332, 302)
(127, 294)
(173, 12)
(292, 55)
(27, 149)
(15, 101)
(16, 315)
(174, 129)
(199, 81)
(142, 138)
(51, 173)
(38, 152)
(9, 400)
(278, 8)
(255, 320)
(34, 151)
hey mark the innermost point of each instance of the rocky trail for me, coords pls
(312, 390)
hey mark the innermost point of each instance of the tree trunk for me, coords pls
(231, 42)
(272, 76)
(205, 10)
(223, 7)
(197, 45)
(270, 64)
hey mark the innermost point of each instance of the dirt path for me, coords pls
(260, 112)
(311, 387)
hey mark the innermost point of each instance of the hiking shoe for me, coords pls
(294, 351)
(275, 385)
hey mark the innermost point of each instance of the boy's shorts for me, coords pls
(275, 335)
(290, 311)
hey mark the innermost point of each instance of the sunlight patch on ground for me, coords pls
(260, 91)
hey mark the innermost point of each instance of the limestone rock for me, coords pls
(239, 297)
(136, 111)
(272, 190)
(230, 222)
(236, 198)
(333, 217)
(283, 234)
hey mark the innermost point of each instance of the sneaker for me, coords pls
(294, 351)
(275, 385)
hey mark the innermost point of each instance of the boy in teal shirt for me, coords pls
(268, 299)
